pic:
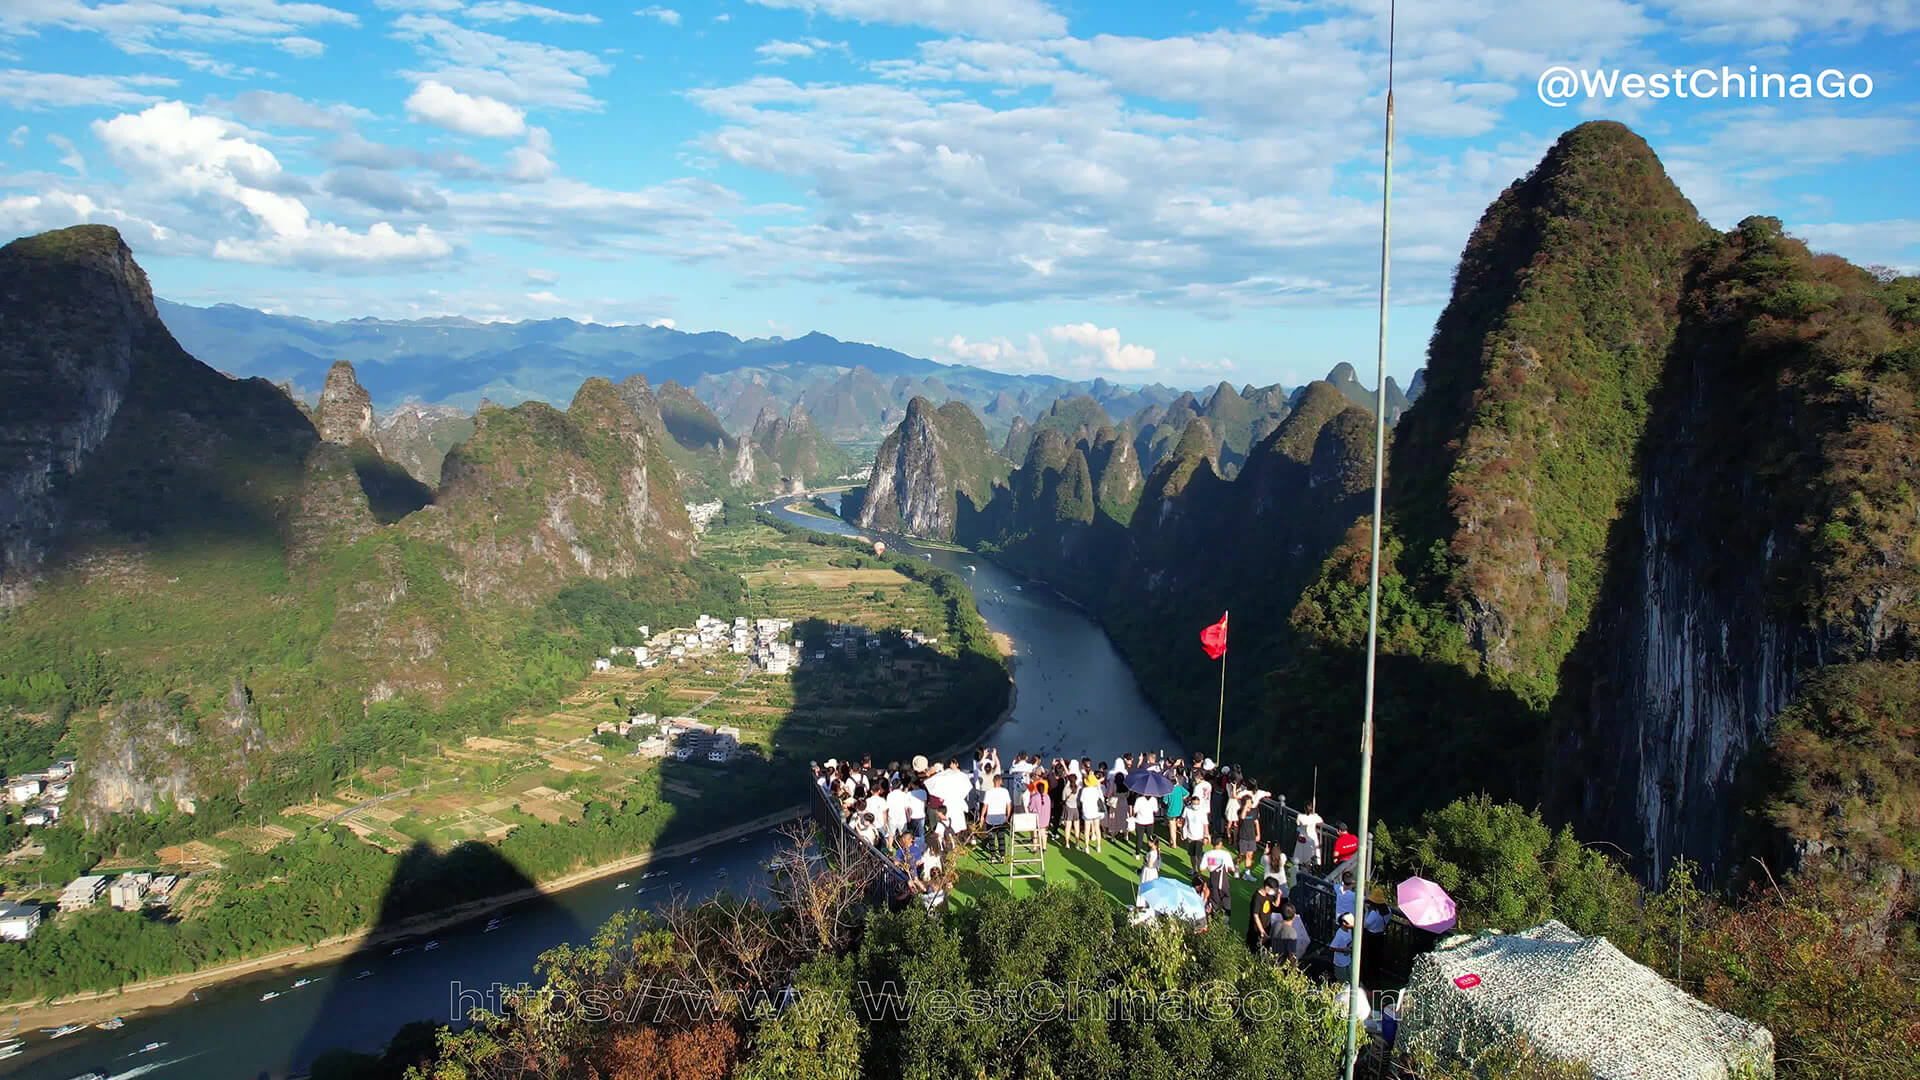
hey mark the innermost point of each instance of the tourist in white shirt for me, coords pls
(1306, 848)
(1342, 946)
(917, 810)
(995, 805)
(1142, 820)
(899, 809)
(1093, 814)
(1195, 818)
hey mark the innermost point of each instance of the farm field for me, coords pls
(546, 767)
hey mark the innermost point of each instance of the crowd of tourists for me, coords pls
(921, 815)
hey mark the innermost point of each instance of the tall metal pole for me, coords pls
(1364, 857)
(1220, 718)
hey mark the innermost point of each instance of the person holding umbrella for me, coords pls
(1147, 785)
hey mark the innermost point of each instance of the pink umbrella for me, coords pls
(1426, 905)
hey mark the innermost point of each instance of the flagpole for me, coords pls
(1364, 856)
(1220, 718)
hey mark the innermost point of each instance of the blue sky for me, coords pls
(1146, 191)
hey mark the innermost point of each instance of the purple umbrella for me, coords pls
(1426, 905)
(1149, 782)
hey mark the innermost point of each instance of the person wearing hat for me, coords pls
(1376, 920)
(1342, 948)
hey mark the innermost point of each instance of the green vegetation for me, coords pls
(542, 807)
(875, 1004)
(863, 977)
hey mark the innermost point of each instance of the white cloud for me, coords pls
(998, 354)
(204, 161)
(441, 6)
(541, 277)
(664, 323)
(271, 108)
(18, 139)
(140, 28)
(383, 191)
(532, 162)
(22, 215)
(471, 114)
(44, 89)
(301, 46)
(509, 10)
(480, 63)
(779, 52)
(1893, 243)
(1102, 348)
(979, 18)
(668, 15)
(69, 154)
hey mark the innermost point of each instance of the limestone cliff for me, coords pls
(417, 437)
(76, 319)
(931, 473)
(539, 496)
(345, 412)
(797, 450)
(240, 593)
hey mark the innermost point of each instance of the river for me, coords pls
(1073, 695)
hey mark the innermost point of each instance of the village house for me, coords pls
(82, 892)
(40, 816)
(60, 770)
(129, 891)
(18, 921)
(25, 788)
(603, 664)
(160, 889)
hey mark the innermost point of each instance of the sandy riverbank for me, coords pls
(99, 1005)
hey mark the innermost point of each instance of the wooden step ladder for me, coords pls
(1026, 859)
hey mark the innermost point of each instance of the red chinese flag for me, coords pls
(1214, 639)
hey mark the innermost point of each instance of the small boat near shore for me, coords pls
(150, 1047)
(363, 975)
(298, 983)
(114, 1024)
(63, 1030)
(269, 995)
(431, 945)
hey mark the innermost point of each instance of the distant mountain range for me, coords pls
(851, 391)
(847, 391)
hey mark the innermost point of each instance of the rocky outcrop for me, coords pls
(932, 470)
(1019, 437)
(417, 437)
(795, 448)
(74, 313)
(345, 412)
(538, 496)
(142, 760)
(332, 508)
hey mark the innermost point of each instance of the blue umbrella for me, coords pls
(1169, 897)
(1149, 782)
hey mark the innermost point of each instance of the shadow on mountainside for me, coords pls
(409, 984)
